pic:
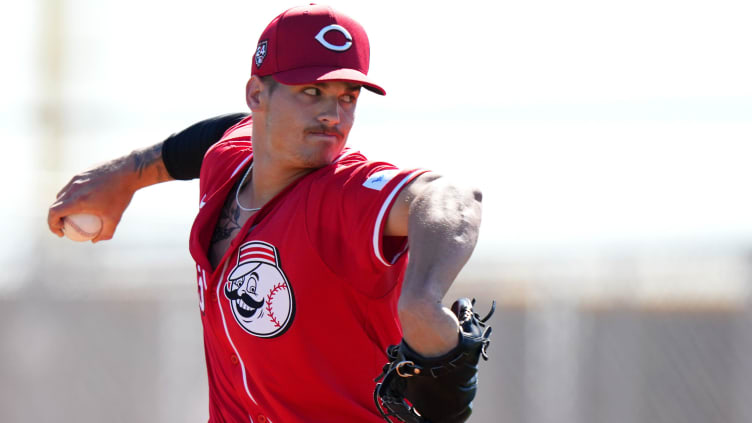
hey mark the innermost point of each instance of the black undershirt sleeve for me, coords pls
(183, 152)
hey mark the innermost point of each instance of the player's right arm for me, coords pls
(107, 189)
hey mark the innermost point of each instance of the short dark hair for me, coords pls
(269, 82)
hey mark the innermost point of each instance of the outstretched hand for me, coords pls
(105, 191)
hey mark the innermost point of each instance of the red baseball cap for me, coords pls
(314, 43)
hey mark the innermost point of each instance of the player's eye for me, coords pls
(347, 98)
(312, 91)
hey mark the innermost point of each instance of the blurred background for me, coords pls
(611, 139)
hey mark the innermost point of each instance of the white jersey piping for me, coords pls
(227, 333)
(240, 166)
(382, 213)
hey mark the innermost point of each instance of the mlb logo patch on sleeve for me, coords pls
(378, 180)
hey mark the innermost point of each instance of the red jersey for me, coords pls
(299, 312)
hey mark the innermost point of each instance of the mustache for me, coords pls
(234, 295)
(329, 130)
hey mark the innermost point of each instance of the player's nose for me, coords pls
(331, 112)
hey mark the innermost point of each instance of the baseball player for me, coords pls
(301, 245)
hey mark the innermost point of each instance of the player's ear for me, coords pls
(253, 92)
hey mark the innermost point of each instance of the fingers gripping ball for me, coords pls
(81, 227)
(417, 389)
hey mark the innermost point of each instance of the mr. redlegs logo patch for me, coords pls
(259, 294)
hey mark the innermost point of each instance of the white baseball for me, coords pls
(81, 227)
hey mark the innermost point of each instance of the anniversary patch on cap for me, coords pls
(260, 55)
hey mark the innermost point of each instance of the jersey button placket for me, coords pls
(261, 418)
(234, 359)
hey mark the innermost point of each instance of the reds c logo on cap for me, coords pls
(290, 48)
(259, 294)
(333, 27)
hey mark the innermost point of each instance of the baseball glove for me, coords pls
(417, 389)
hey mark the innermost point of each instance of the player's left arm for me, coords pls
(441, 220)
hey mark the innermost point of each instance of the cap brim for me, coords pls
(322, 74)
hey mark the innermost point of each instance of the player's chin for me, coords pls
(322, 157)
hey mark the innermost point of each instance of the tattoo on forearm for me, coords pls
(145, 158)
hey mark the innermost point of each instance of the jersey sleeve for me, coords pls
(227, 155)
(349, 212)
(183, 152)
